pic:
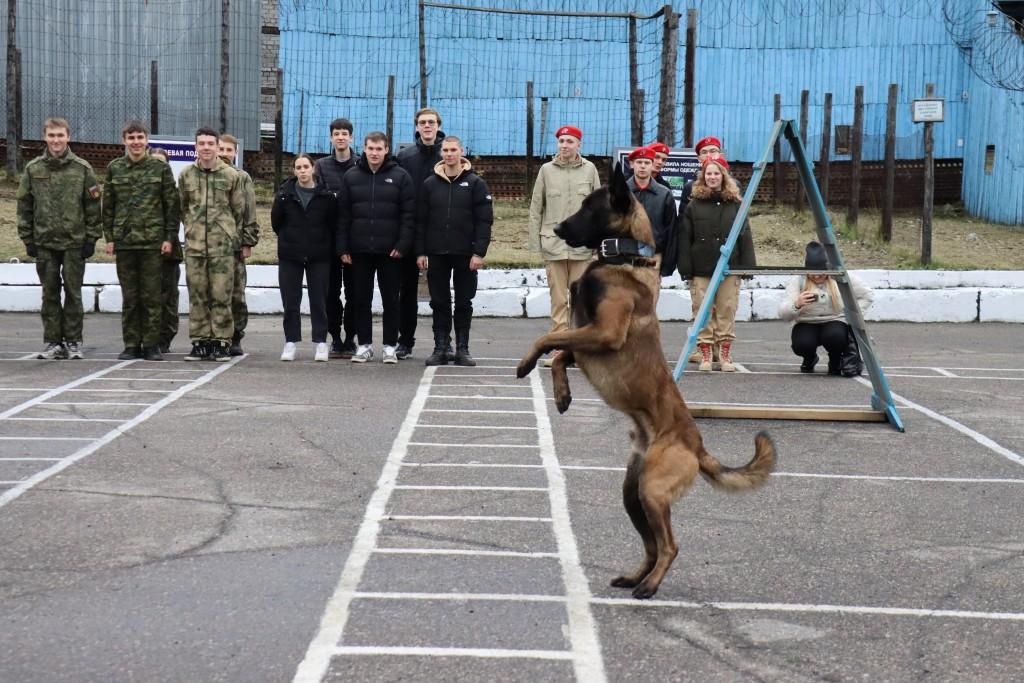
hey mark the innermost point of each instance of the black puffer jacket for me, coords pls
(376, 211)
(419, 160)
(329, 171)
(704, 229)
(304, 234)
(454, 215)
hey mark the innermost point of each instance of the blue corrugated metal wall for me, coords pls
(337, 63)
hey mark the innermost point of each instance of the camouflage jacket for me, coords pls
(212, 209)
(59, 202)
(250, 228)
(140, 204)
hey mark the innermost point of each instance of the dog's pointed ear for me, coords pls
(618, 191)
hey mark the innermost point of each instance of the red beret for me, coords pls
(659, 148)
(705, 142)
(718, 159)
(641, 153)
(569, 130)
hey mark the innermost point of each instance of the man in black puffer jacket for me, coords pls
(453, 231)
(419, 161)
(376, 228)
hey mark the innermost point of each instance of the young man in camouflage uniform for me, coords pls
(140, 223)
(213, 210)
(170, 274)
(59, 222)
(227, 148)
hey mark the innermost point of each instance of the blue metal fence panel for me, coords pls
(995, 192)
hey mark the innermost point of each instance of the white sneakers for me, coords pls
(390, 354)
(288, 354)
(364, 352)
(322, 352)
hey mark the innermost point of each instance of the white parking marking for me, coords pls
(29, 459)
(21, 407)
(463, 518)
(944, 373)
(498, 412)
(96, 444)
(460, 552)
(492, 427)
(468, 597)
(962, 428)
(853, 477)
(469, 464)
(467, 487)
(59, 419)
(820, 609)
(454, 652)
(472, 445)
(483, 398)
(45, 438)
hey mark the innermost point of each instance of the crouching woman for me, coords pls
(814, 305)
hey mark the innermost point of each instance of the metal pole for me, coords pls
(805, 97)
(890, 163)
(636, 128)
(390, 125)
(154, 99)
(225, 61)
(13, 143)
(689, 77)
(826, 143)
(279, 129)
(423, 55)
(929, 185)
(777, 155)
(529, 138)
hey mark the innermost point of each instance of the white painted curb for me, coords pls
(900, 295)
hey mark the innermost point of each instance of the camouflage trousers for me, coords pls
(57, 270)
(239, 309)
(211, 281)
(170, 273)
(138, 272)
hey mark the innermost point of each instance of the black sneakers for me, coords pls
(130, 353)
(200, 351)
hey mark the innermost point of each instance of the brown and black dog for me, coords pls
(615, 340)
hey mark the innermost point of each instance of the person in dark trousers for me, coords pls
(303, 217)
(418, 160)
(376, 228)
(453, 231)
(659, 204)
(328, 172)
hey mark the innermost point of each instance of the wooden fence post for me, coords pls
(389, 129)
(929, 185)
(853, 210)
(225, 61)
(669, 59)
(13, 94)
(689, 77)
(804, 101)
(826, 143)
(777, 155)
(279, 129)
(890, 164)
(529, 138)
(154, 99)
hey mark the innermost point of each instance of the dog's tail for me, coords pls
(750, 476)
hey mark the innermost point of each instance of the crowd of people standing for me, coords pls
(343, 222)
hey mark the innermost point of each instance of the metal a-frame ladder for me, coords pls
(882, 406)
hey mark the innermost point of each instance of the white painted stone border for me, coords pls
(900, 295)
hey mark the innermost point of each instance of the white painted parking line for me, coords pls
(469, 464)
(462, 597)
(477, 386)
(140, 379)
(479, 397)
(95, 403)
(467, 487)
(58, 390)
(45, 438)
(944, 373)
(326, 642)
(97, 443)
(461, 552)
(819, 609)
(962, 428)
(11, 483)
(27, 389)
(423, 426)
(853, 477)
(123, 391)
(463, 518)
(29, 459)
(391, 651)
(499, 412)
(587, 657)
(58, 419)
(472, 445)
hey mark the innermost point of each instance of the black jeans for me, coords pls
(289, 279)
(408, 303)
(388, 271)
(338, 314)
(807, 337)
(441, 270)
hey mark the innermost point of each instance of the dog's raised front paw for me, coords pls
(525, 367)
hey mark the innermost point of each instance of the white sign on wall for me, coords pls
(928, 110)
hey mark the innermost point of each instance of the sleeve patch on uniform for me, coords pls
(94, 191)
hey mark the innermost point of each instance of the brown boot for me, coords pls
(726, 357)
(705, 357)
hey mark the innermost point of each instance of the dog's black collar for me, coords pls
(618, 251)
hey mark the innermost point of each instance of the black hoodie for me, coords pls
(376, 211)
(419, 159)
(304, 234)
(454, 215)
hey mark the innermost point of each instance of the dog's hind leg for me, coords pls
(560, 379)
(670, 470)
(635, 510)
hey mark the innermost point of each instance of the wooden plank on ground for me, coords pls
(783, 413)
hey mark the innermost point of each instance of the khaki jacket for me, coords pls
(59, 202)
(212, 209)
(557, 194)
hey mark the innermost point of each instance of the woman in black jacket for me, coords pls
(707, 221)
(303, 218)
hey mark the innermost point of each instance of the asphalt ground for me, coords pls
(264, 521)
